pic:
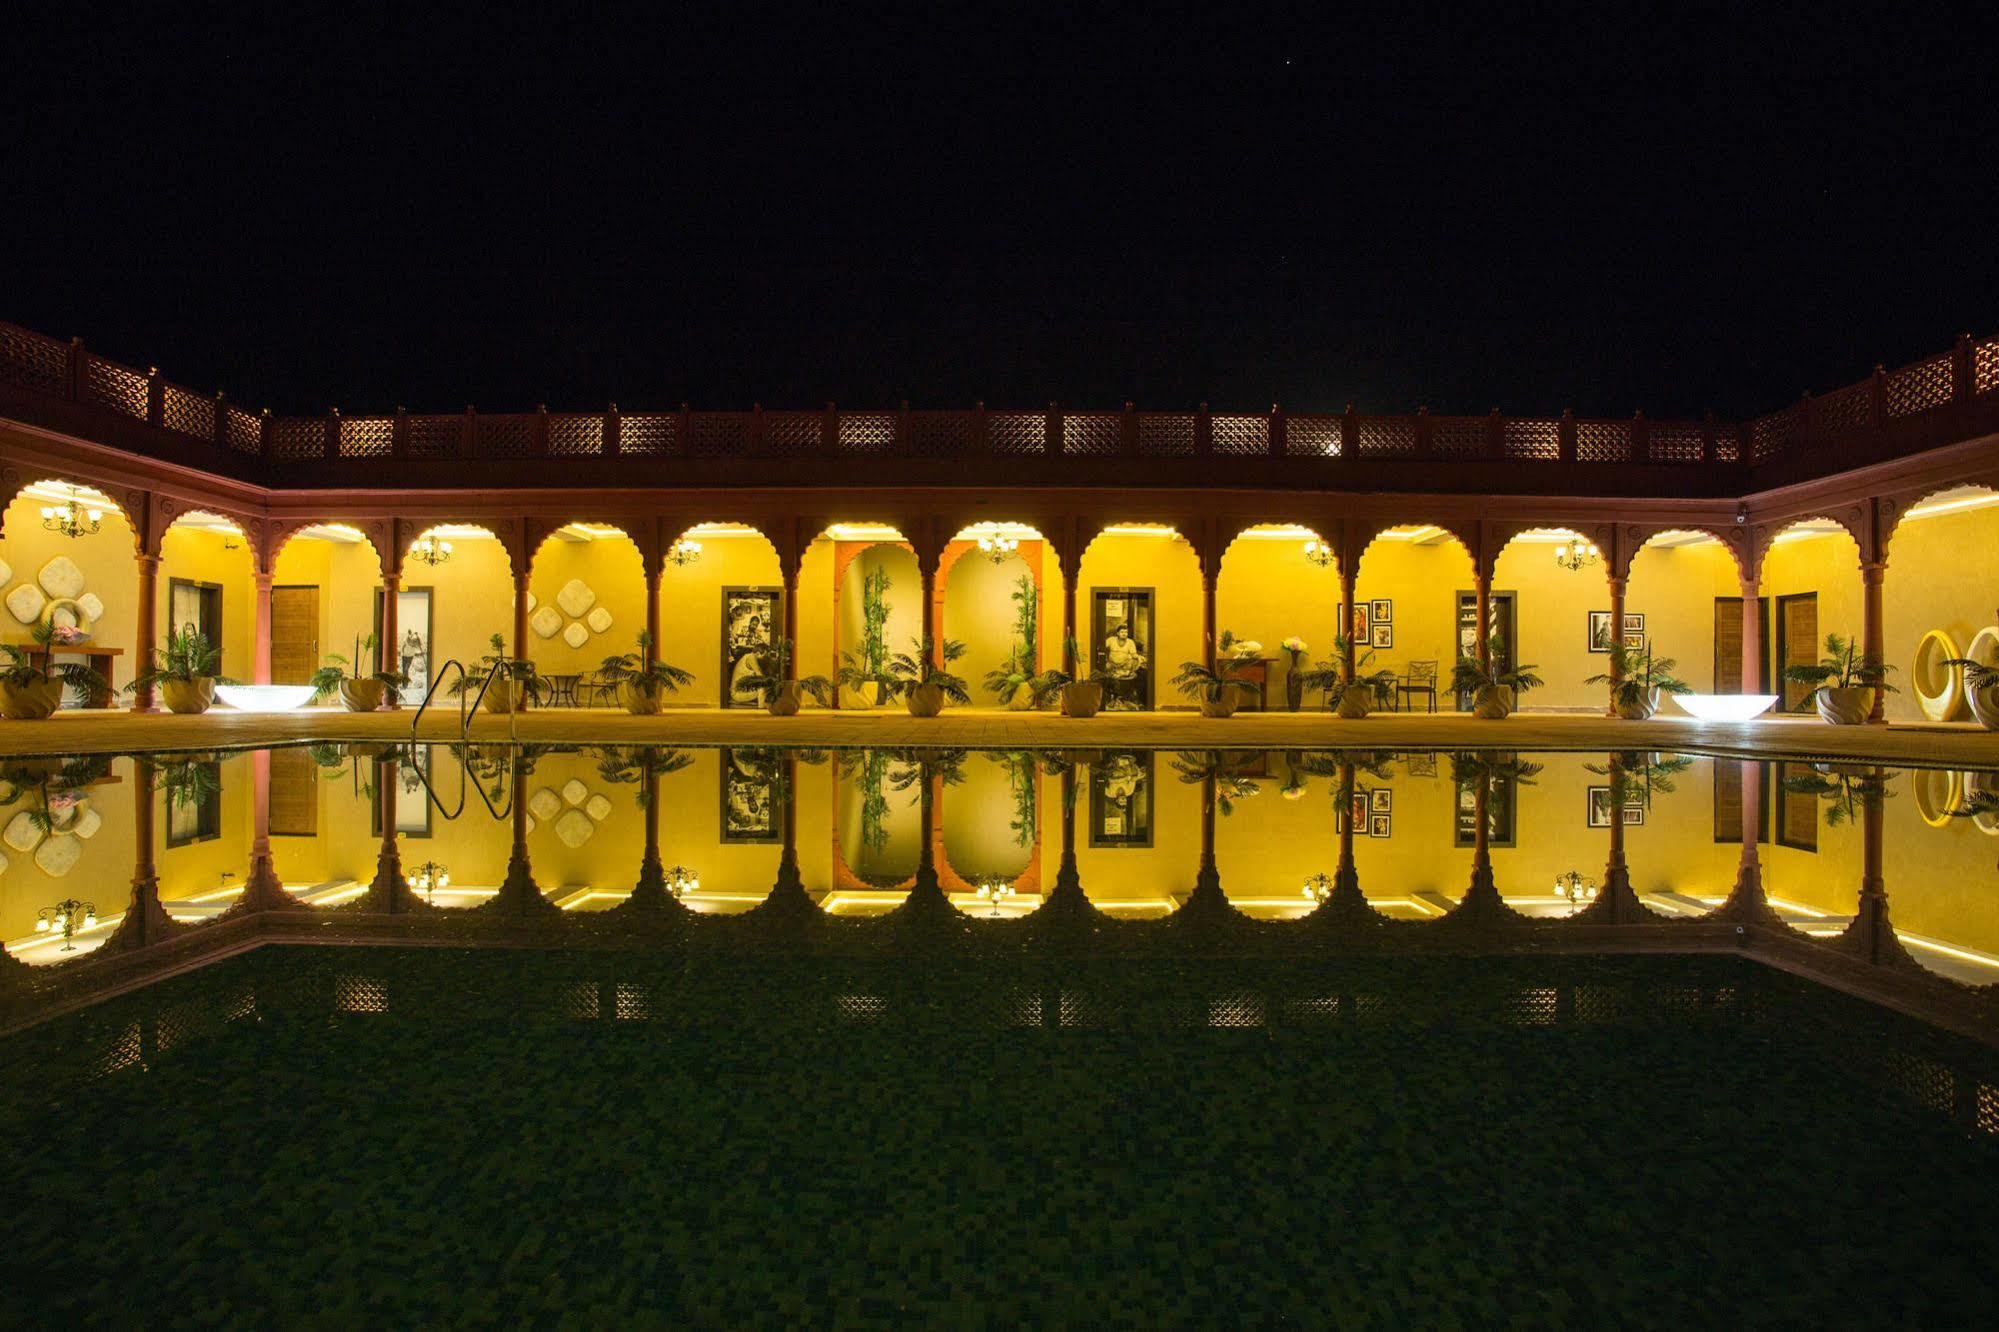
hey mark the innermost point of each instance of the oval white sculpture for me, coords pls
(544, 804)
(264, 698)
(25, 603)
(599, 620)
(58, 855)
(574, 828)
(575, 597)
(546, 622)
(598, 807)
(22, 834)
(574, 792)
(1725, 707)
(91, 606)
(61, 579)
(576, 635)
(1935, 648)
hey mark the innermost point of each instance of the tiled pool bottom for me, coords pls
(334, 1135)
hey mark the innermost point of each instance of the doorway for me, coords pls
(196, 604)
(294, 633)
(1121, 638)
(1797, 644)
(1504, 630)
(1728, 646)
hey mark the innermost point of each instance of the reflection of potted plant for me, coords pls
(1843, 681)
(1636, 680)
(363, 694)
(31, 681)
(514, 681)
(642, 679)
(1981, 690)
(184, 670)
(768, 685)
(1494, 693)
(1352, 699)
(1218, 688)
(1845, 790)
(923, 682)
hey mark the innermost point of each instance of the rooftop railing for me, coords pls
(1841, 424)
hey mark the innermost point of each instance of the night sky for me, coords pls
(1244, 206)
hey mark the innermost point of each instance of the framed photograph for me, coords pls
(1384, 635)
(1599, 807)
(750, 798)
(1121, 800)
(1383, 610)
(1357, 811)
(1121, 625)
(1381, 800)
(1363, 623)
(1378, 826)
(1634, 815)
(751, 618)
(1599, 631)
(1634, 623)
(415, 622)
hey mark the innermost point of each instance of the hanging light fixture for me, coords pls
(1319, 887)
(71, 519)
(681, 881)
(994, 891)
(1319, 553)
(996, 546)
(1573, 555)
(1574, 889)
(428, 878)
(683, 552)
(431, 549)
(69, 916)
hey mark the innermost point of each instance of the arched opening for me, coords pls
(721, 603)
(1415, 603)
(1941, 838)
(999, 584)
(876, 607)
(587, 585)
(1139, 613)
(1280, 582)
(1942, 580)
(1550, 585)
(1810, 583)
(1281, 831)
(1138, 831)
(326, 587)
(1684, 599)
(67, 558)
(467, 578)
(877, 834)
(207, 581)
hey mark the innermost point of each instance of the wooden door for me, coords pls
(1728, 646)
(1797, 642)
(294, 633)
(295, 783)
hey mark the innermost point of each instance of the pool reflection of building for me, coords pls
(1447, 841)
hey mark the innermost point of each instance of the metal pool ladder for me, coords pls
(465, 712)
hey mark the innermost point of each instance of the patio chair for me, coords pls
(1421, 679)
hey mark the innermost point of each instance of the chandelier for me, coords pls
(70, 519)
(69, 916)
(681, 881)
(431, 549)
(683, 552)
(994, 892)
(996, 546)
(1574, 889)
(429, 877)
(1573, 555)
(1319, 553)
(1319, 887)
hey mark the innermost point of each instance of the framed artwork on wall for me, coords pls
(1381, 610)
(1599, 631)
(749, 802)
(1379, 826)
(751, 618)
(1381, 800)
(410, 653)
(1121, 800)
(1363, 622)
(1599, 807)
(1121, 638)
(1384, 634)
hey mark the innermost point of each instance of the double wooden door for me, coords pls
(294, 633)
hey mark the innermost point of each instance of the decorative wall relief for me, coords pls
(575, 598)
(544, 804)
(25, 603)
(6, 573)
(598, 619)
(574, 828)
(93, 608)
(576, 635)
(61, 579)
(546, 622)
(574, 792)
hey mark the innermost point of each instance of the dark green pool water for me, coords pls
(340, 1136)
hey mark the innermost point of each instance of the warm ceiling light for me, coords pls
(683, 553)
(71, 519)
(863, 532)
(1319, 553)
(1573, 554)
(430, 549)
(1140, 529)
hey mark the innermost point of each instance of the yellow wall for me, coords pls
(1167, 565)
(690, 612)
(1168, 866)
(107, 559)
(613, 569)
(1423, 581)
(197, 555)
(979, 612)
(977, 821)
(1827, 564)
(1943, 573)
(1267, 592)
(905, 602)
(1674, 587)
(813, 652)
(103, 874)
(472, 599)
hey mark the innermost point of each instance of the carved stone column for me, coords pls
(149, 591)
(521, 581)
(262, 889)
(260, 631)
(1752, 638)
(1872, 639)
(146, 921)
(1617, 641)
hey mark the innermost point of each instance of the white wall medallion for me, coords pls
(574, 792)
(25, 603)
(576, 635)
(533, 601)
(58, 855)
(6, 573)
(21, 834)
(91, 606)
(599, 620)
(598, 807)
(87, 823)
(60, 578)
(4, 862)
(531, 824)
(545, 622)
(575, 597)
(574, 828)
(544, 804)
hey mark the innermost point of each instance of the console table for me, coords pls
(95, 655)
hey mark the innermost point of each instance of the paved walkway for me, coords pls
(1952, 745)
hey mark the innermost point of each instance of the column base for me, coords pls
(146, 921)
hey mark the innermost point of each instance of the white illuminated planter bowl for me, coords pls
(1725, 707)
(264, 698)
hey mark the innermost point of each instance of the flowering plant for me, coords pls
(1294, 645)
(69, 633)
(1248, 647)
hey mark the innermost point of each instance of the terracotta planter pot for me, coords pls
(506, 696)
(1844, 707)
(30, 702)
(1083, 698)
(1224, 705)
(784, 702)
(1355, 704)
(361, 695)
(925, 700)
(1984, 706)
(1640, 708)
(641, 702)
(1494, 704)
(189, 697)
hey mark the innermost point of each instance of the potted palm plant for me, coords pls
(923, 682)
(1080, 697)
(514, 681)
(1218, 688)
(1843, 682)
(1494, 693)
(781, 696)
(1636, 680)
(1981, 690)
(1013, 680)
(1352, 699)
(641, 678)
(357, 694)
(32, 682)
(184, 671)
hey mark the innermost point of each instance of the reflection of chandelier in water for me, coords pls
(1319, 887)
(1319, 553)
(681, 881)
(431, 549)
(70, 520)
(994, 892)
(1573, 555)
(683, 552)
(429, 878)
(69, 916)
(1574, 889)
(996, 546)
